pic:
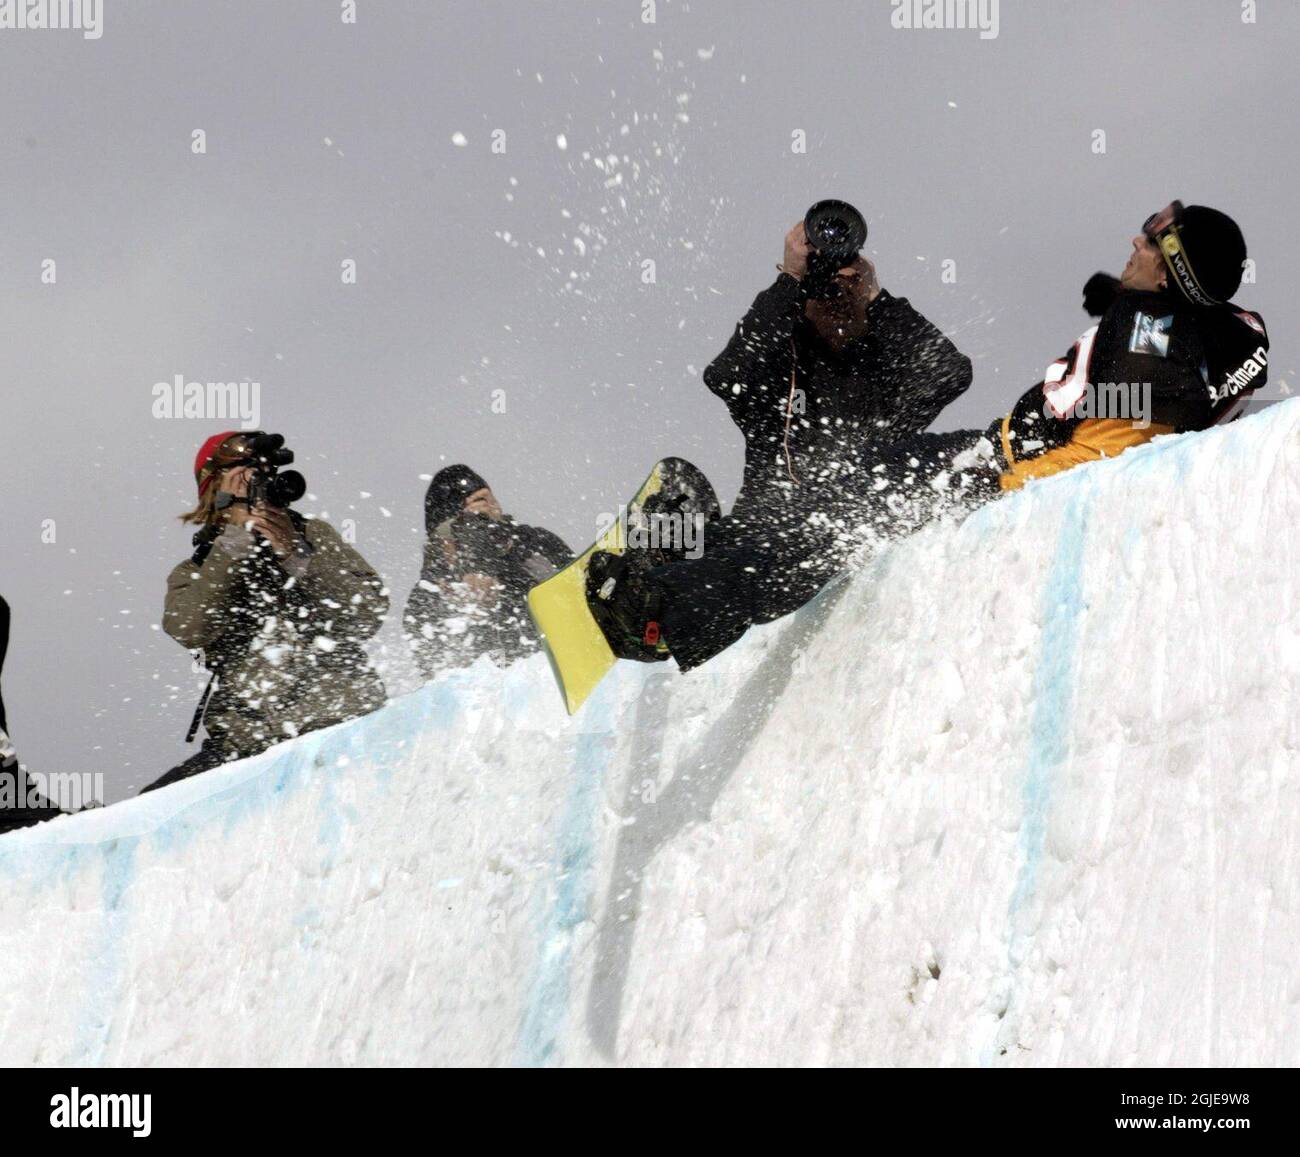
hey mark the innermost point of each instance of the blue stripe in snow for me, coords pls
(1049, 732)
(548, 1000)
(101, 994)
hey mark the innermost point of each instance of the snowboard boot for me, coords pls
(663, 520)
(625, 604)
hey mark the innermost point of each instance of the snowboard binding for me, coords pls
(608, 603)
(626, 605)
(663, 527)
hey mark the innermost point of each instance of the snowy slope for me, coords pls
(1023, 792)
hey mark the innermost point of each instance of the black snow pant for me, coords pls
(775, 551)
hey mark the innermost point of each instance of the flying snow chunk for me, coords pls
(458, 139)
(706, 53)
(561, 142)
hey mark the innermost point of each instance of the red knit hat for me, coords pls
(203, 472)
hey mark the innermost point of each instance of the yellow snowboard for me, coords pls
(579, 653)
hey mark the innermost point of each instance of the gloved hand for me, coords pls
(1099, 293)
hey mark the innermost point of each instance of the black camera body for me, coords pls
(836, 231)
(269, 484)
(482, 544)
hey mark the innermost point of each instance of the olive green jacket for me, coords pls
(284, 638)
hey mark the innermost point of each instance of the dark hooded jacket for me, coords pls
(445, 625)
(806, 410)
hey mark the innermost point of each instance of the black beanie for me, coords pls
(446, 495)
(1216, 251)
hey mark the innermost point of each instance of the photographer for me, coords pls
(478, 567)
(278, 604)
(824, 369)
(824, 361)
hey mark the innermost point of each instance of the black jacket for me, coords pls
(891, 382)
(4, 647)
(1153, 364)
(37, 809)
(446, 628)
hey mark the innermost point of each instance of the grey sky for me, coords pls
(227, 266)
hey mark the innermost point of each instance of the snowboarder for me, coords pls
(479, 564)
(278, 605)
(1170, 354)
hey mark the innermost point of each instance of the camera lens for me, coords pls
(836, 230)
(285, 489)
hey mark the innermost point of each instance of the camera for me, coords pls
(269, 484)
(481, 543)
(836, 231)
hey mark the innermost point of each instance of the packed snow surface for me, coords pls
(1023, 791)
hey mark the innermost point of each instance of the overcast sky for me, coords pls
(521, 271)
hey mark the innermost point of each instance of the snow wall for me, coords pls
(1024, 791)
